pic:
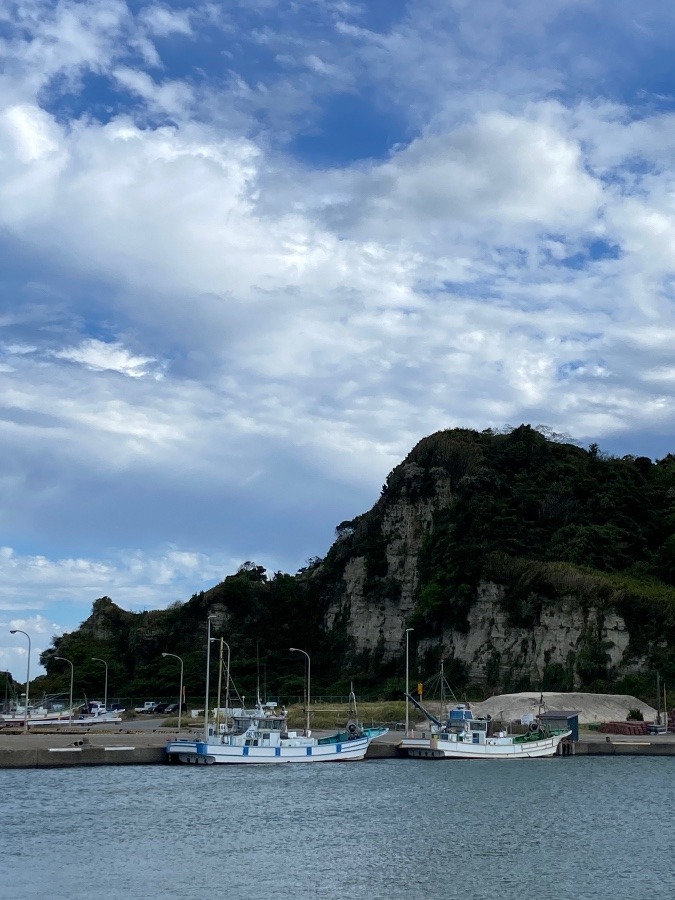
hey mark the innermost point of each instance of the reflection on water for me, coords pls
(581, 828)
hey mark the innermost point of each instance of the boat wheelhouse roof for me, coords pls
(460, 714)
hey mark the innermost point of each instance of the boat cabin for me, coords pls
(460, 717)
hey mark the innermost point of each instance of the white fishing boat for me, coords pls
(461, 735)
(464, 736)
(262, 736)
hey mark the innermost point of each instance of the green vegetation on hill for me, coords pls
(542, 518)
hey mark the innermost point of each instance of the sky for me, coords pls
(252, 252)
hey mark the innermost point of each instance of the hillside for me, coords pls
(524, 560)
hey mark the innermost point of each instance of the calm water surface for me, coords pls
(580, 828)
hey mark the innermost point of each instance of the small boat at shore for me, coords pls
(50, 713)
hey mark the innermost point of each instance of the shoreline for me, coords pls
(59, 748)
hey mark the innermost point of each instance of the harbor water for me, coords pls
(593, 828)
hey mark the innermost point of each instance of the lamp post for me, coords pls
(25, 718)
(309, 663)
(180, 690)
(72, 673)
(105, 689)
(407, 679)
(208, 666)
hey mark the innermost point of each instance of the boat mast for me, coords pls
(658, 699)
(257, 665)
(220, 681)
(353, 712)
(443, 714)
(227, 691)
(208, 666)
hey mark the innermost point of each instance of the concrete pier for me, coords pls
(60, 748)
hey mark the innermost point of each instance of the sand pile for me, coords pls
(591, 707)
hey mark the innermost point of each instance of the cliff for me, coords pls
(518, 557)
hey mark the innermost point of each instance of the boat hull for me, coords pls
(58, 721)
(213, 753)
(492, 748)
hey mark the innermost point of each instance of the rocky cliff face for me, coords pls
(495, 651)
(377, 619)
(374, 610)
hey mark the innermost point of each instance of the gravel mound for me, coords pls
(591, 707)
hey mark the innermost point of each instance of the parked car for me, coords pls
(160, 707)
(172, 709)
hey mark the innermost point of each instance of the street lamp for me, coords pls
(72, 673)
(105, 690)
(25, 718)
(180, 691)
(309, 663)
(407, 679)
(208, 665)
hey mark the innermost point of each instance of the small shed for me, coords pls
(562, 718)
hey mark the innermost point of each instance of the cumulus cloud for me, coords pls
(136, 580)
(213, 337)
(107, 357)
(162, 21)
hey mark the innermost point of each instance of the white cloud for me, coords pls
(109, 357)
(61, 39)
(67, 587)
(14, 647)
(196, 323)
(172, 97)
(163, 21)
(499, 171)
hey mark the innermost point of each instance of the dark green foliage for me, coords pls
(557, 678)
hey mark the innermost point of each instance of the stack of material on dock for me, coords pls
(624, 728)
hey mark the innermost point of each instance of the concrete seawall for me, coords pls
(39, 758)
(146, 747)
(656, 747)
(59, 748)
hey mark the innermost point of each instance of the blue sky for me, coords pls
(251, 253)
